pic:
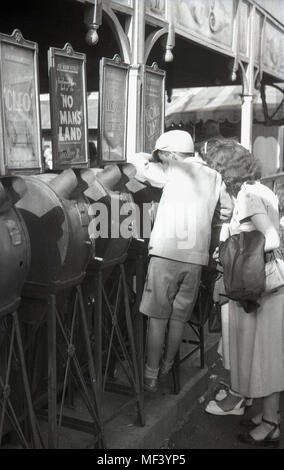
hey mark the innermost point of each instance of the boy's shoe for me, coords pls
(150, 385)
(165, 369)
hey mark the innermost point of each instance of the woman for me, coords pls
(256, 340)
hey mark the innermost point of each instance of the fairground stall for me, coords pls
(79, 281)
(208, 43)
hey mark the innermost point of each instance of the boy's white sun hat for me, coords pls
(175, 141)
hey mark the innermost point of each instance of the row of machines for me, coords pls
(68, 303)
(48, 247)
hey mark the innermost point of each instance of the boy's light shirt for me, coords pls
(183, 221)
(157, 174)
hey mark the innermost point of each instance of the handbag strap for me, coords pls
(273, 255)
(277, 253)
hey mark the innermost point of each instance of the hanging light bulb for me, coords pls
(169, 55)
(169, 43)
(92, 37)
(93, 20)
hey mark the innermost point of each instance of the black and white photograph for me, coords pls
(142, 228)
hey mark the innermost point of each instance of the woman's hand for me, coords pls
(215, 255)
(224, 233)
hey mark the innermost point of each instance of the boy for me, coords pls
(179, 244)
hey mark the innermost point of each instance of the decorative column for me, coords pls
(247, 121)
(248, 89)
(136, 34)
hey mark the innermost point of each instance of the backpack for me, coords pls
(242, 259)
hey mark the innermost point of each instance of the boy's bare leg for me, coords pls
(173, 342)
(155, 341)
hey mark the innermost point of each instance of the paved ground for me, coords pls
(163, 410)
(172, 421)
(201, 430)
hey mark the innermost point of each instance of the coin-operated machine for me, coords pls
(14, 266)
(58, 228)
(57, 220)
(111, 204)
(113, 212)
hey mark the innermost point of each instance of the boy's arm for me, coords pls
(147, 171)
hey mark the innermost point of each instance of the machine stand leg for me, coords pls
(176, 374)
(52, 379)
(34, 429)
(138, 385)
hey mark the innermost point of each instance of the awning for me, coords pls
(92, 101)
(193, 105)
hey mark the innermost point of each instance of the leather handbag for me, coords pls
(274, 272)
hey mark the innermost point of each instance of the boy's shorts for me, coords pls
(171, 289)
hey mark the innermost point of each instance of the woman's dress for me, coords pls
(256, 339)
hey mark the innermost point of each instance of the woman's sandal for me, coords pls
(225, 390)
(249, 423)
(215, 408)
(268, 441)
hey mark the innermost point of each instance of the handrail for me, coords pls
(272, 177)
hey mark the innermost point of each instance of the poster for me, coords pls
(273, 50)
(68, 108)
(20, 105)
(156, 8)
(113, 110)
(154, 106)
(244, 28)
(210, 20)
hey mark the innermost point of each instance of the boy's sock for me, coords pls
(166, 367)
(151, 373)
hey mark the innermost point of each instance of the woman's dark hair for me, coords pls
(235, 163)
(204, 146)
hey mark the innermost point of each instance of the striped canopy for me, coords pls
(192, 105)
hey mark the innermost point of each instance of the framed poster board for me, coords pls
(20, 135)
(68, 108)
(113, 102)
(153, 106)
